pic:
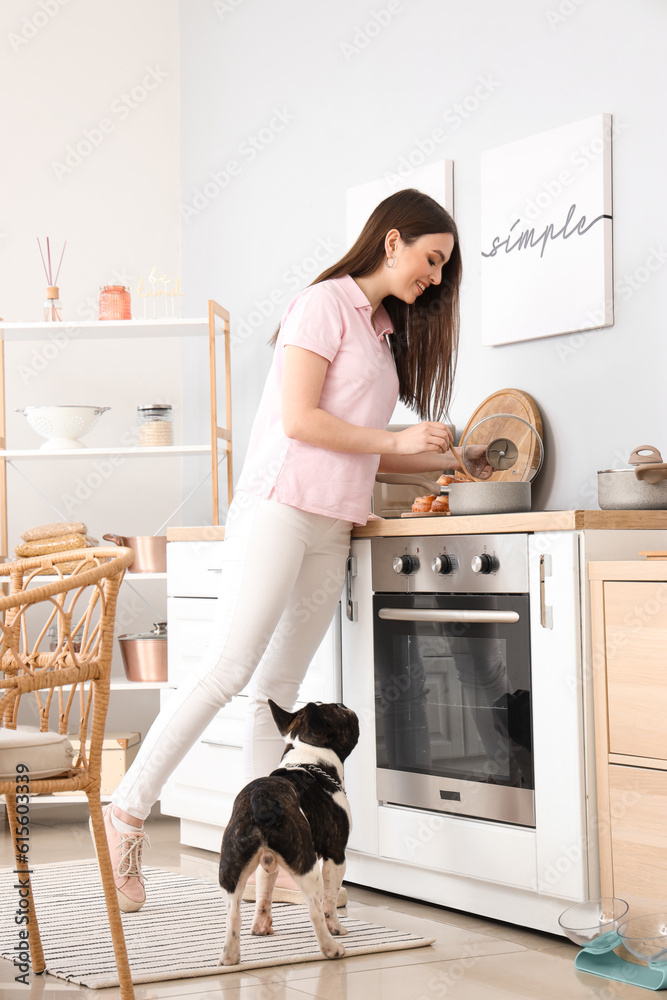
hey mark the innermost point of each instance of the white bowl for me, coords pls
(62, 426)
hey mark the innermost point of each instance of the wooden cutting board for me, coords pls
(518, 404)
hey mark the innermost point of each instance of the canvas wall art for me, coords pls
(546, 241)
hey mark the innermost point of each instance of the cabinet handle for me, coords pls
(218, 570)
(546, 614)
(350, 605)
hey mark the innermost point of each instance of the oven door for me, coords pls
(453, 708)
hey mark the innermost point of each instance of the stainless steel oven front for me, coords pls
(453, 675)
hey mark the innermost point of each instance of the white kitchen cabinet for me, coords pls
(506, 872)
(202, 789)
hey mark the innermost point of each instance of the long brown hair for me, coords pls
(426, 333)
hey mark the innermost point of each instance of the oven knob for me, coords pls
(405, 564)
(483, 564)
(442, 564)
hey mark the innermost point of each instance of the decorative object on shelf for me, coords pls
(155, 424)
(53, 312)
(167, 294)
(600, 927)
(145, 654)
(62, 426)
(60, 536)
(115, 302)
(150, 551)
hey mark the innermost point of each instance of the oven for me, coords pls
(452, 674)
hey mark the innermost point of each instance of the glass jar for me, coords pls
(115, 302)
(53, 311)
(155, 425)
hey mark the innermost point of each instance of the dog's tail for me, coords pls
(266, 809)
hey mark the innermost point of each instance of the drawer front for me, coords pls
(194, 569)
(635, 642)
(638, 820)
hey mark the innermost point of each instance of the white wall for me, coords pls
(65, 70)
(341, 103)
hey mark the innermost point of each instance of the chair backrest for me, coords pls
(57, 640)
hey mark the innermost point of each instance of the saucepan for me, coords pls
(145, 654)
(150, 551)
(470, 497)
(643, 487)
(500, 455)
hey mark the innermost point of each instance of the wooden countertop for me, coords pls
(479, 524)
(546, 520)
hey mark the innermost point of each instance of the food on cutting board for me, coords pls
(436, 504)
(423, 504)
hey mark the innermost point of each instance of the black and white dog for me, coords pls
(292, 818)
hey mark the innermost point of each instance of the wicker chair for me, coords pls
(78, 610)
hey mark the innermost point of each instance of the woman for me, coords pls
(317, 442)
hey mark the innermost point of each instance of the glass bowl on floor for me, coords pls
(645, 937)
(593, 925)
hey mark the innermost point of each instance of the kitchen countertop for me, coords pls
(478, 524)
(539, 520)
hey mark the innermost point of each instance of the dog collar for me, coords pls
(314, 769)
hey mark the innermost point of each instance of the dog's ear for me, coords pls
(282, 719)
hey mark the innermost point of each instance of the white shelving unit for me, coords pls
(101, 330)
(218, 447)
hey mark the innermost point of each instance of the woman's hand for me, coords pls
(476, 461)
(427, 436)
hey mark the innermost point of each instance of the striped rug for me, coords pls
(178, 934)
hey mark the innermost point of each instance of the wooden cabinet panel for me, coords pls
(638, 823)
(635, 615)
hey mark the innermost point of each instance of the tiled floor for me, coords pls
(472, 958)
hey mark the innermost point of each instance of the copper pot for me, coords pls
(150, 551)
(145, 654)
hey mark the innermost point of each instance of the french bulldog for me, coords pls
(296, 816)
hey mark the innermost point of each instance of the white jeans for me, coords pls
(283, 572)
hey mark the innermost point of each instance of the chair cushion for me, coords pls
(46, 754)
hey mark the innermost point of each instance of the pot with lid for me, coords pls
(501, 454)
(145, 654)
(643, 487)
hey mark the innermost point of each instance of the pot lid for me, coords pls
(508, 443)
(159, 631)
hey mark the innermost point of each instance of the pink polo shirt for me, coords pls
(333, 319)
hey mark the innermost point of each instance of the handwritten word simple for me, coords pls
(527, 239)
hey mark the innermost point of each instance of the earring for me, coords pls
(393, 261)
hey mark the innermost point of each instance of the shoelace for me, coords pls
(129, 862)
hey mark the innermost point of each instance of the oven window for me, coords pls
(454, 700)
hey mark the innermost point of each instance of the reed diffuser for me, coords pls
(53, 312)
